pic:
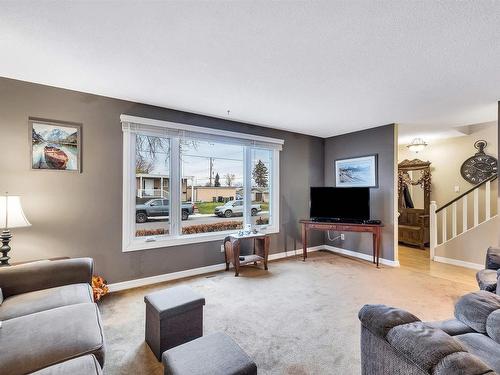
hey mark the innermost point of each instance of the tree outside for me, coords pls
(229, 177)
(260, 174)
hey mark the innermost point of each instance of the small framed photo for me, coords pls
(55, 145)
(357, 172)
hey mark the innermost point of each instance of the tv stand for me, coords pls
(374, 229)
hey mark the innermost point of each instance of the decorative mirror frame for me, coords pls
(424, 181)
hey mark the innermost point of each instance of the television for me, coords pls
(343, 204)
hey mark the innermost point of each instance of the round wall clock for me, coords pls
(479, 167)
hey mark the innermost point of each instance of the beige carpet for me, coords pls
(298, 318)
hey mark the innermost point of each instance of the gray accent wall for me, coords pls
(80, 214)
(380, 141)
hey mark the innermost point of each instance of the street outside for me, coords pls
(195, 219)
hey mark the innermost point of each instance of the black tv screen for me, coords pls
(349, 203)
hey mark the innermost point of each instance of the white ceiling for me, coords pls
(321, 68)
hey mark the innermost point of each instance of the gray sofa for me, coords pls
(394, 341)
(487, 278)
(48, 318)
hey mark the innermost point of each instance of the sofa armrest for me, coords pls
(380, 319)
(492, 258)
(411, 346)
(45, 274)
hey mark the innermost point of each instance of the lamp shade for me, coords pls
(11, 213)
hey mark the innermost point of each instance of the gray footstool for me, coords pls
(215, 354)
(173, 316)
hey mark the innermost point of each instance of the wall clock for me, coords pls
(479, 167)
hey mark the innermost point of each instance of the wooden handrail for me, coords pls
(492, 178)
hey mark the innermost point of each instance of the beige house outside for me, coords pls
(212, 194)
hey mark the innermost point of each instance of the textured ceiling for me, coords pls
(321, 68)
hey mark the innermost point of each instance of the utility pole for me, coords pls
(211, 169)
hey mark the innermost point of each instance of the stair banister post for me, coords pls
(433, 228)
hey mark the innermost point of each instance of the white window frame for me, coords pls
(132, 125)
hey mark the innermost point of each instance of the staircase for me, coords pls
(462, 229)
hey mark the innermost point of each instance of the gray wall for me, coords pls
(381, 141)
(81, 214)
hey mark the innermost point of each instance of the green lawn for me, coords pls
(208, 207)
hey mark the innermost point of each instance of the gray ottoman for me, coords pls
(215, 354)
(173, 316)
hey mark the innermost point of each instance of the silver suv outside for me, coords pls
(235, 208)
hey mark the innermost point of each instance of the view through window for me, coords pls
(261, 186)
(152, 178)
(183, 184)
(214, 176)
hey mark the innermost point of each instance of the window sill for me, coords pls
(160, 242)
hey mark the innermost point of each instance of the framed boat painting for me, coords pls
(55, 145)
(357, 172)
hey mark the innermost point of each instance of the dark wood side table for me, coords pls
(232, 250)
(374, 229)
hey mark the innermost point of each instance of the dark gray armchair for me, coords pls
(487, 278)
(394, 341)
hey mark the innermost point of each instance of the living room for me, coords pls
(213, 187)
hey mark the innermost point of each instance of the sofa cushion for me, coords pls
(451, 326)
(86, 365)
(487, 280)
(45, 338)
(483, 347)
(461, 363)
(379, 319)
(423, 344)
(498, 286)
(45, 299)
(44, 274)
(473, 309)
(493, 326)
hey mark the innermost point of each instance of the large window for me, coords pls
(186, 184)
(152, 180)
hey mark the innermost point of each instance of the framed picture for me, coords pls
(357, 172)
(55, 145)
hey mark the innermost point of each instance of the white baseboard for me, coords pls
(115, 287)
(355, 254)
(461, 263)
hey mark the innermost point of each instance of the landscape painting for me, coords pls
(55, 145)
(356, 172)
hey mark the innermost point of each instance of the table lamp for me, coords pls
(11, 216)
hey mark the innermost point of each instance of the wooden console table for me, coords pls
(232, 250)
(374, 229)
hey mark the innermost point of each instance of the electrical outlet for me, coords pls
(221, 248)
(342, 236)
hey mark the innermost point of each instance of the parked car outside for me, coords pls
(235, 208)
(158, 208)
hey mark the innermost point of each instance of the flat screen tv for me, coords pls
(340, 204)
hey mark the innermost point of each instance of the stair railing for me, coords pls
(463, 199)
